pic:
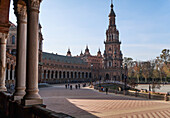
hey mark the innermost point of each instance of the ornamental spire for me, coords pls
(112, 2)
(112, 13)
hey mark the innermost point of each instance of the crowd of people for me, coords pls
(77, 86)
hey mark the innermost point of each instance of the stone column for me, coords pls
(32, 96)
(46, 75)
(58, 75)
(3, 39)
(81, 75)
(9, 72)
(61, 75)
(49, 75)
(73, 75)
(20, 12)
(54, 75)
(13, 73)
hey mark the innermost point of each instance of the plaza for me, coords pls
(33, 78)
(89, 103)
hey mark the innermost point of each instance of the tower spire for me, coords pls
(111, 5)
(112, 15)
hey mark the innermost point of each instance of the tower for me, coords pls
(112, 54)
(99, 53)
(87, 52)
(68, 53)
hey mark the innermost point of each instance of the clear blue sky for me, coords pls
(144, 26)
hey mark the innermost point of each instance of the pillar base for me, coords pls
(17, 98)
(3, 89)
(31, 102)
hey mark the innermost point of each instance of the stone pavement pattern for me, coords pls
(88, 103)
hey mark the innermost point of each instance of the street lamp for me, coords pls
(149, 91)
(125, 79)
(91, 73)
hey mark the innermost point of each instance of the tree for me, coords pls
(165, 56)
(159, 64)
(130, 65)
(146, 70)
(138, 70)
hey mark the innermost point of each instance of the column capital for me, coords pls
(34, 5)
(3, 35)
(21, 13)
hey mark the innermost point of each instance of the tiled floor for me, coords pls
(88, 103)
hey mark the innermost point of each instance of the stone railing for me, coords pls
(138, 94)
(14, 109)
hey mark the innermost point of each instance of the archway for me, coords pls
(107, 76)
(56, 74)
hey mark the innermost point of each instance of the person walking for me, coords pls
(76, 86)
(70, 87)
(66, 86)
(79, 86)
(106, 91)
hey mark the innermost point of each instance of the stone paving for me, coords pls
(89, 103)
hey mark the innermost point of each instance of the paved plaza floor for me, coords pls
(89, 103)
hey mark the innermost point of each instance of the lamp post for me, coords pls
(149, 91)
(121, 73)
(125, 79)
(91, 73)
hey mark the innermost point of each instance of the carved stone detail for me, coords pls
(3, 35)
(21, 12)
(35, 4)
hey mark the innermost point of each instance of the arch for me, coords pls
(114, 78)
(11, 72)
(110, 64)
(48, 74)
(82, 74)
(90, 75)
(13, 39)
(60, 74)
(86, 74)
(44, 74)
(52, 74)
(75, 74)
(79, 75)
(64, 74)
(107, 76)
(6, 73)
(56, 74)
(68, 76)
(123, 77)
(71, 74)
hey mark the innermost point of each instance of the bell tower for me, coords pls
(112, 53)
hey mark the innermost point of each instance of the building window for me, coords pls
(110, 64)
(13, 39)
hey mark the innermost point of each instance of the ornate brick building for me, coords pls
(11, 41)
(113, 68)
(54, 68)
